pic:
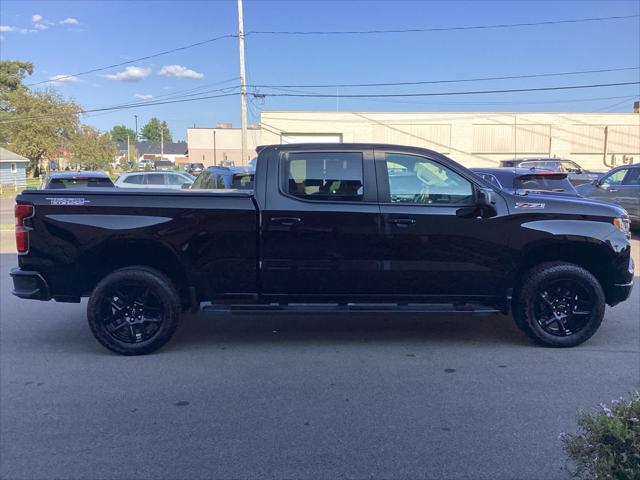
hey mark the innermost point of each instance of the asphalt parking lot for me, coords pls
(299, 397)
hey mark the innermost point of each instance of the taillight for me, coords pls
(22, 212)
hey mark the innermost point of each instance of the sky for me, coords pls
(64, 38)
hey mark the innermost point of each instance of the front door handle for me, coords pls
(401, 222)
(286, 221)
(612, 190)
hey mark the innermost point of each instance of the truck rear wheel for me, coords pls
(559, 304)
(134, 310)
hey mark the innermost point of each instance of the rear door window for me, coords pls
(156, 179)
(633, 177)
(325, 175)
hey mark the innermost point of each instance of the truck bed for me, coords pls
(78, 233)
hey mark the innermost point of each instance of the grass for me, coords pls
(10, 192)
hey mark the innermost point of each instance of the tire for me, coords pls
(559, 304)
(134, 310)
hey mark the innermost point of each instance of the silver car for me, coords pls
(172, 180)
(620, 186)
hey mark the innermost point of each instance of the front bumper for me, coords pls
(30, 285)
(619, 292)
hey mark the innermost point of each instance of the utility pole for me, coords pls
(243, 84)
(128, 151)
(161, 143)
(136, 117)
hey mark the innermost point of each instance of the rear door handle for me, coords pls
(286, 221)
(612, 190)
(401, 222)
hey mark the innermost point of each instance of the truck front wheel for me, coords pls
(134, 310)
(559, 304)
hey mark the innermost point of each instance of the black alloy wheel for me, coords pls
(134, 310)
(559, 304)
(564, 307)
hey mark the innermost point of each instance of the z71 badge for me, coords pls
(67, 201)
(529, 205)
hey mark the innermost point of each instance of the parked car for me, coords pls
(154, 179)
(620, 186)
(326, 229)
(145, 164)
(577, 174)
(194, 168)
(224, 177)
(163, 165)
(522, 181)
(76, 179)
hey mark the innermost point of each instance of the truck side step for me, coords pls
(324, 308)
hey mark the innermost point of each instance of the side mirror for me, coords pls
(186, 186)
(485, 197)
(595, 182)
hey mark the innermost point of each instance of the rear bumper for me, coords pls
(29, 285)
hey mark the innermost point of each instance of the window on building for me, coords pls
(414, 179)
(325, 175)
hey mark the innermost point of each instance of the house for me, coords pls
(13, 170)
(176, 152)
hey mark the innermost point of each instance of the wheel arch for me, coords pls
(111, 255)
(592, 256)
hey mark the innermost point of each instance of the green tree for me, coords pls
(12, 72)
(38, 125)
(119, 133)
(91, 148)
(151, 131)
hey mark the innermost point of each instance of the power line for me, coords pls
(346, 32)
(441, 29)
(320, 95)
(460, 80)
(435, 94)
(121, 107)
(129, 62)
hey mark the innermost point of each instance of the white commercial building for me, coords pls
(594, 140)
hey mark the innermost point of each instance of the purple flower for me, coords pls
(634, 420)
(614, 401)
(606, 410)
(562, 435)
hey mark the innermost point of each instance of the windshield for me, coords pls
(543, 183)
(80, 182)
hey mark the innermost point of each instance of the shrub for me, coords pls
(607, 444)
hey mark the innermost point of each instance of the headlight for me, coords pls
(623, 224)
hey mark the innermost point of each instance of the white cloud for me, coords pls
(179, 71)
(8, 28)
(35, 18)
(40, 26)
(131, 74)
(62, 78)
(143, 96)
(70, 21)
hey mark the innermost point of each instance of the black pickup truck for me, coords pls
(328, 228)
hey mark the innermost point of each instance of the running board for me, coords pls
(324, 308)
